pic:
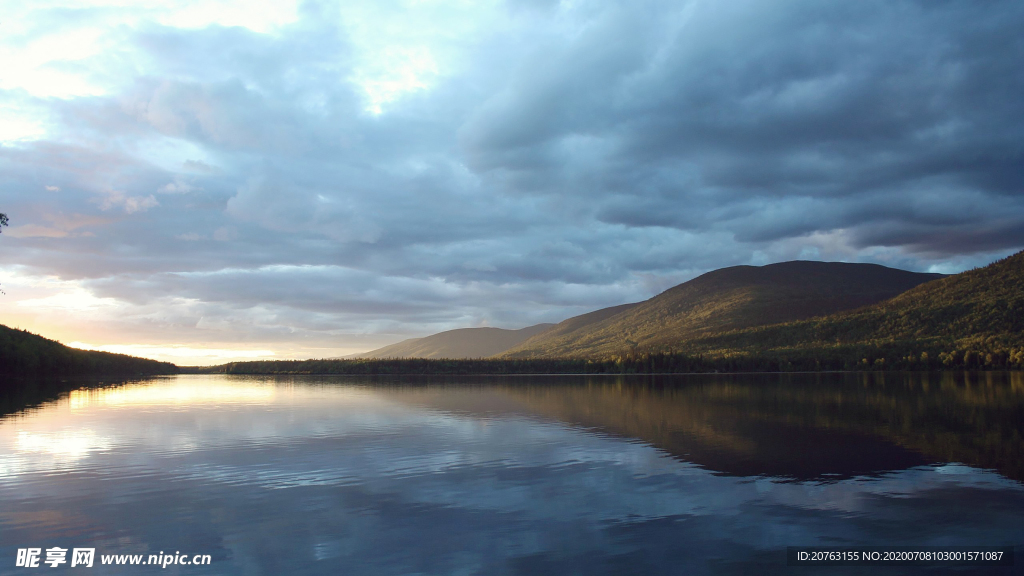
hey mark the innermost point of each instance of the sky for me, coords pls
(217, 180)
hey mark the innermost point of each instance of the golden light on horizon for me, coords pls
(176, 353)
(176, 393)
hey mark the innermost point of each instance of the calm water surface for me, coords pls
(519, 475)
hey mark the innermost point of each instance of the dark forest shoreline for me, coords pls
(893, 359)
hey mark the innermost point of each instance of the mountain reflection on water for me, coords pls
(700, 474)
(800, 426)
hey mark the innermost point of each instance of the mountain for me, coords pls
(979, 312)
(25, 354)
(580, 322)
(724, 300)
(460, 343)
(973, 320)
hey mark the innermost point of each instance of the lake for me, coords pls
(700, 474)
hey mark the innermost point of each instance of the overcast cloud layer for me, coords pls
(200, 182)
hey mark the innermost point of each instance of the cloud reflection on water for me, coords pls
(311, 475)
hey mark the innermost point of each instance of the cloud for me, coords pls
(352, 173)
(36, 231)
(130, 204)
(198, 166)
(59, 225)
(176, 187)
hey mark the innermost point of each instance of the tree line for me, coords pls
(893, 357)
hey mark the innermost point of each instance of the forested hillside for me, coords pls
(23, 353)
(723, 300)
(973, 319)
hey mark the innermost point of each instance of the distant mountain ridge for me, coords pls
(457, 344)
(717, 302)
(724, 300)
(722, 322)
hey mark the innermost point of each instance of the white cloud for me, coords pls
(15, 129)
(139, 203)
(398, 71)
(263, 16)
(72, 298)
(130, 204)
(176, 187)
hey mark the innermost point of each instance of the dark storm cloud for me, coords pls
(571, 156)
(788, 104)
